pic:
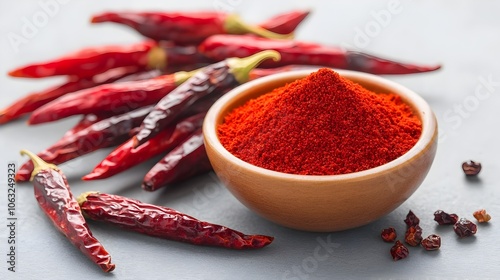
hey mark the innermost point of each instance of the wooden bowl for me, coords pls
(321, 203)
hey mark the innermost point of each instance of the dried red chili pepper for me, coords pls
(89, 61)
(399, 251)
(263, 72)
(218, 47)
(214, 79)
(56, 200)
(33, 101)
(465, 228)
(111, 98)
(186, 160)
(481, 216)
(444, 218)
(105, 133)
(413, 235)
(389, 234)
(184, 27)
(411, 219)
(125, 156)
(164, 222)
(285, 23)
(432, 242)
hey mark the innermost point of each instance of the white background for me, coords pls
(462, 35)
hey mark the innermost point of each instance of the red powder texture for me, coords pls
(320, 125)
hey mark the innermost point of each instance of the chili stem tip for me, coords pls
(234, 25)
(83, 197)
(38, 163)
(241, 67)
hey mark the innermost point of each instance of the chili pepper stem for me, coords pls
(234, 25)
(38, 163)
(182, 76)
(241, 67)
(157, 58)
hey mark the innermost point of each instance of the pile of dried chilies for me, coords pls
(150, 98)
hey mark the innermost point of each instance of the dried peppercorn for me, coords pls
(399, 251)
(164, 222)
(481, 216)
(413, 235)
(431, 242)
(471, 168)
(465, 228)
(411, 219)
(444, 218)
(56, 200)
(389, 234)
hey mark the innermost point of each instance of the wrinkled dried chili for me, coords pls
(184, 27)
(186, 160)
(56, 200)
(164, 222)
(218, 47)
(110, 98)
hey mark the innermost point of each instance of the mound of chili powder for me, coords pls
(320, 125)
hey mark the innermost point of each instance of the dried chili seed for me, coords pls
(432, 242)
(471, 168)
(388, 234)
(444, 218)
(481, 216)
(411, 219)
(413, 235)
(399, 251)
(465, 228)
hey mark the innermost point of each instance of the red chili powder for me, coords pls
(322, 124)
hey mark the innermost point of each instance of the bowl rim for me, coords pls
(421, 107)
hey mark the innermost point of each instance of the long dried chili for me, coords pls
(125, 156)
(218, 47)
(184, 27)
(54, 196)
(185, 161)
(164, 222)
(112, 98)
(33, 101)
(213, 79)
(105, 133)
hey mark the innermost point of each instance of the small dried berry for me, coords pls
(389, 234)
(432, 242)
(399, 251)
(444, 218)
(465, 228)
(481, 216)
(413, 235)
(411, 219)
(471, 168)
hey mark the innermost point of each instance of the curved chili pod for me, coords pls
(296, 52)
(102, 134)
(112, 98)
(213, 79)
(33, 101)
(185, 161)
(184, 27)
(56, 200)
(285, 23)
(164, 222)
(125, 156)
(89, 61)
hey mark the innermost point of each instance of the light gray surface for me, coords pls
(462, 35)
